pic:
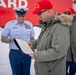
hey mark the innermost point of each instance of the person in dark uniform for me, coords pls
(22, 29)
(71, 54)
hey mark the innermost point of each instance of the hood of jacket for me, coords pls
(64, 19)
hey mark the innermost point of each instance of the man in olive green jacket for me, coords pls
(52, 43)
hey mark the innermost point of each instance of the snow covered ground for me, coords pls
(5, 68)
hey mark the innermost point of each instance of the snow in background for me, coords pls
(5, 68)
(74, 6)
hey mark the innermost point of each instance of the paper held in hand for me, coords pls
(23, 46)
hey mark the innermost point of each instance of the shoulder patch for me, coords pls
(27, 26)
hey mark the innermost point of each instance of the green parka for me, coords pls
(71, 54)
(52, 45)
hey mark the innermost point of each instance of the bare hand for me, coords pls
(18, 37)
(30, 44)
(9, 40)
(31, 55)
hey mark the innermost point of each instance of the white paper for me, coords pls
(24, 46)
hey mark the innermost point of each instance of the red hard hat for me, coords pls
(42, 5)
(70, 10)
(75, 12)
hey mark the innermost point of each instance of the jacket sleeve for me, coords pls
(60, 44)
(34, 44)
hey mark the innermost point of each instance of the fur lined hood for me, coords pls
(64, 19)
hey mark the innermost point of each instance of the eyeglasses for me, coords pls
(41, 12)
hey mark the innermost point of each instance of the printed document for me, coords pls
(24, 46)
